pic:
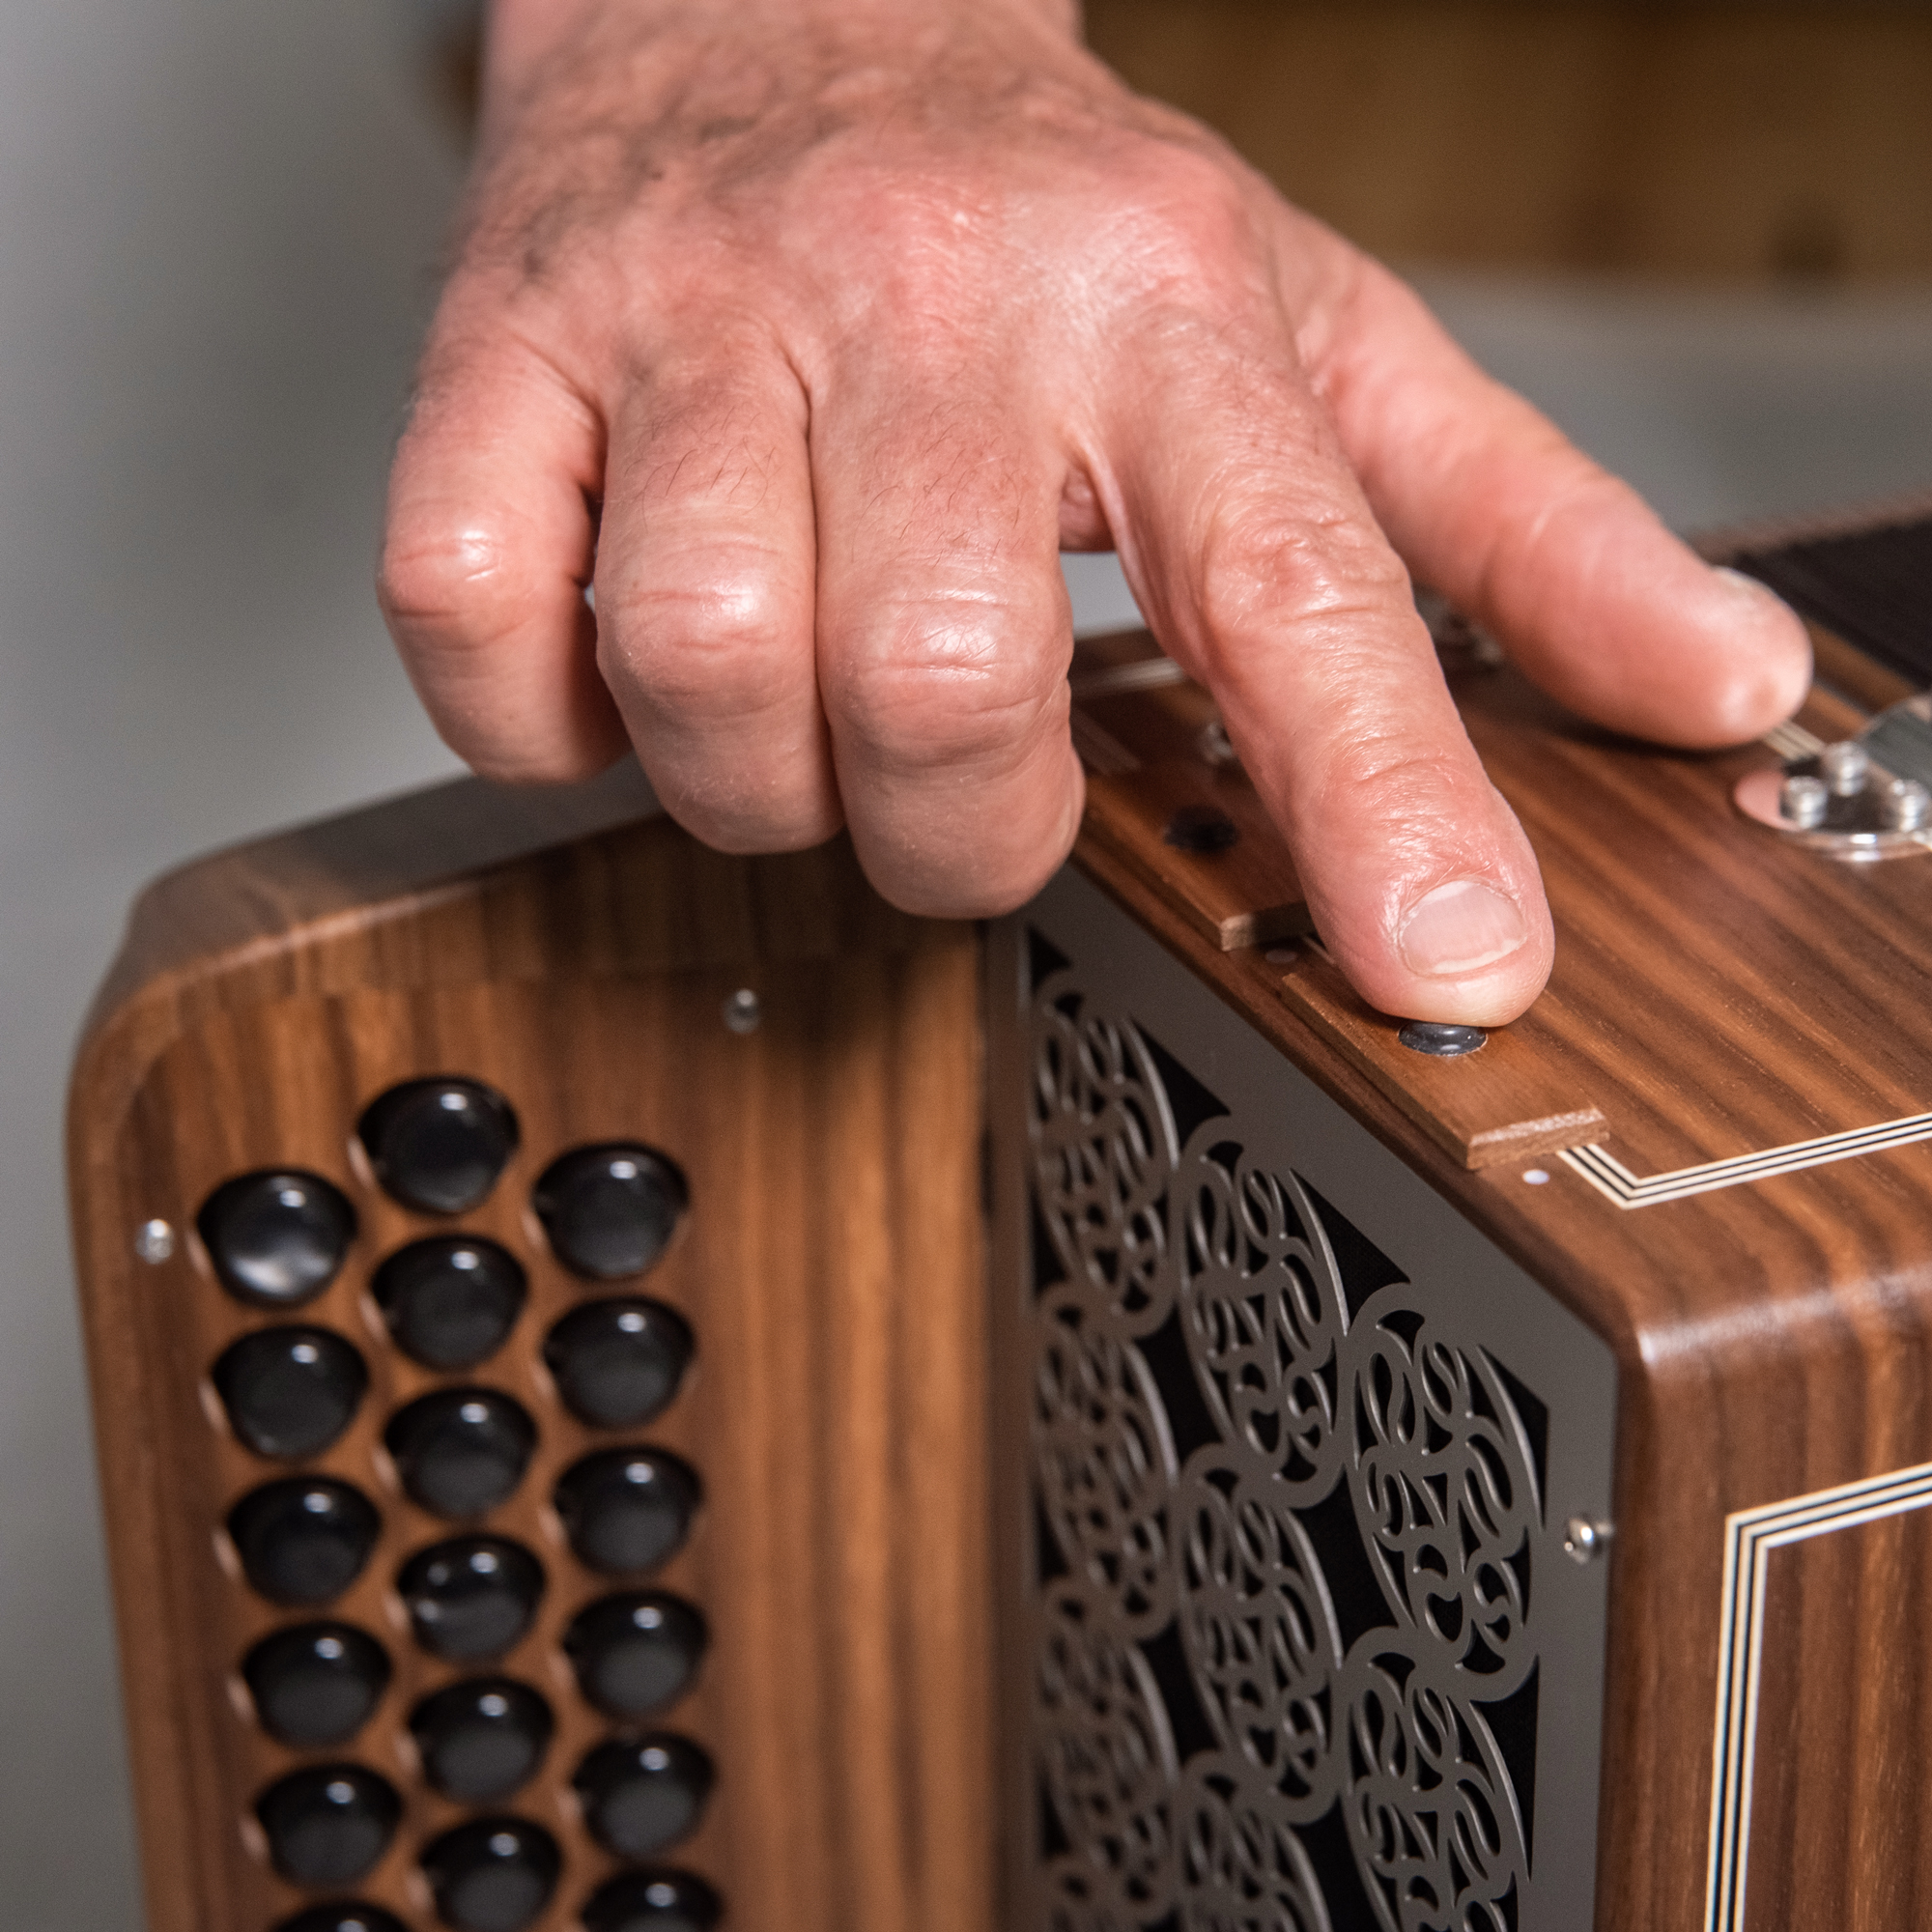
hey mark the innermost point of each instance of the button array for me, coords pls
(276, 1239)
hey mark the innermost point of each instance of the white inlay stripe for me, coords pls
(1610, 1177)
(1749, 1538)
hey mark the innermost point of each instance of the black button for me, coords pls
(619, 1363)
(481, 1740)
(304, 1539)
(316, 1685)
(1200, 828)
(460, 1452)
(278, 1239)
(1441, 1039)
(439, 1145)
(668, 1902)
(290, 1391)
(643, 1797)
(351, 1915)
(493, 1874)
(471, 1597)
(626, 1510)
(329, 1824)
(450, 1302)
(608, 1210)
(636, 1654)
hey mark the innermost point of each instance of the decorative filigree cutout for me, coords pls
(1361, 1444)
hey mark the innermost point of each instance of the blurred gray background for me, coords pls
(219, 227)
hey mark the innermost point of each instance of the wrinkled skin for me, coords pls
(813, 330)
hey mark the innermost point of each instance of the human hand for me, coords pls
(813, 330)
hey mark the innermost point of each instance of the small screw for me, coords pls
(1199, 828)
(1909, 808)
(1804, 802)
(1845, 767)
(742, 1011)
(1215, 746)
(1586, 1538)
(1537, 1177)
(154, 1241)
(1441, 1040)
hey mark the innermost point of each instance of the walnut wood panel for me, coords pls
(830, 1267)
(1839, 1795)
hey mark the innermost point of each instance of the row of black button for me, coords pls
(291, 1391)
(277, 1238)
(316, 1685)
(631, 1903)
(302, 1541)
(329, 1824)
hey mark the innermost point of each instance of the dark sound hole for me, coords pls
(314, 1685)
(329, 1824)
(483, 1740)
(290, 1391)
(450, 1302)
(611, 1209)
(627, 1510)
(303, 1540)
(668, 1902)
(492, 1874)
(470, 1598)
(641, 1797)
(636, 1654)
(619, 1363)
(277, 1238)
(461, 1452)
(439, 1145)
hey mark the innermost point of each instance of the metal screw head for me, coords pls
(742, 1011)
(1804, 802)
(1909, 808)
(1586, 1538)
(1441, 1040)
(1215, 746)
(1845, 767)
(154, 1241)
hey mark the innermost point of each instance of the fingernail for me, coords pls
(1747, 587)
(1460, 926)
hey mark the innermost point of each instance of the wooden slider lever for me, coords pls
(1516, 1096)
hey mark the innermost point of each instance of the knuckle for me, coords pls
(457, 584)
(701, 647)
(1262, 570)
(950, 687)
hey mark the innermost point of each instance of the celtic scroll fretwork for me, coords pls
(1373, 1442)
(1103, 1155)
(1264, 1310)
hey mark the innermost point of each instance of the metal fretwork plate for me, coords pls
(1293, 1642)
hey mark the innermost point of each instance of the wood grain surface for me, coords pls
(829, 1266)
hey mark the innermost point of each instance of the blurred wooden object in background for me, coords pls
(1757, 141)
